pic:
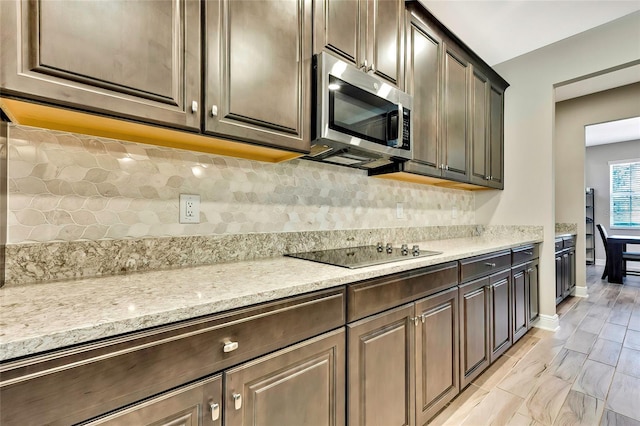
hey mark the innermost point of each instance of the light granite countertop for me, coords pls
(41, 317)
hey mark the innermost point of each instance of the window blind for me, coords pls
(625, 194)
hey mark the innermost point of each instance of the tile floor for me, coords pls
(586, 373)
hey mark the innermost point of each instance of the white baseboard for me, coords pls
(580, 292)
(548, 322)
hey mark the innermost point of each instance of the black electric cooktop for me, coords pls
(359, 257)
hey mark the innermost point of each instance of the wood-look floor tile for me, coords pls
(522, 420)
(611, 418)
(619, 315)
(520, 381)
(606, 352)
(522, 346)
(567, 365)
(600, 311)
(634, 321)
(545, 400)
(580, 409)
(629, 363)
(581, 341)
(460, 407)
(591, 324)
(495, 409)
(632, 340)
(624, 396)
(594, 379)
(494, 374)
(613, 332)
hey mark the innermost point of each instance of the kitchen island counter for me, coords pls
(42, 317)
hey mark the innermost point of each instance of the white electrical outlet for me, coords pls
(189, 208)
(399, 211)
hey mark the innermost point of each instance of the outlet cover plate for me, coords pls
(189, 208)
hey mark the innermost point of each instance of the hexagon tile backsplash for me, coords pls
(71, 187)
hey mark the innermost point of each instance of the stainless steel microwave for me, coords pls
(360, 120)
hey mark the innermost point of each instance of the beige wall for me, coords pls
(571, 117)
(529, 195)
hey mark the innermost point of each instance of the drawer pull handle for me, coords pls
(215, 411)
(528, 253)
(529, 270)
(237, 401)
(230, 346)
(491, 265)
(194, 106)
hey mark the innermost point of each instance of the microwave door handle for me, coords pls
(400, 126)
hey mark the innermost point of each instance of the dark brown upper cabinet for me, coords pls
(456, 115)
(257, 80)
(133, 59)
(367, 33)
(487, 144)
(424, 83)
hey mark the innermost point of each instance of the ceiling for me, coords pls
(500, 30)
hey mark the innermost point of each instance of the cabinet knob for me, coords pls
(194, 107)
(446, 167)
(215, 411)
(214, 110)
(230, 346)
(237, 401)
(529, 270)
(491, 265)
(364, 65)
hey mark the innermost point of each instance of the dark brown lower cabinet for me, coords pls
(565, 273)
(380, 369)
(519, 307)
(192, 405)
(436, 353)
(300, 385)
(474, 329)
(485, 323)
(403, 363)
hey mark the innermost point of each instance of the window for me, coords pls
(625, 193)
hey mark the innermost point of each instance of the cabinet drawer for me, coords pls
(479, 266)
(569, 241)
(559, 244)
(75, 384)
(524, 254)
(373, 296)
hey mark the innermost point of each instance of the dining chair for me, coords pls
(626, 256)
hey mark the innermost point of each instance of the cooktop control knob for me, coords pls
(404, 249)
(379, 247)
(416, 250)
(389, 248)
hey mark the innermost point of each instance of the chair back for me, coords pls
(603, 235)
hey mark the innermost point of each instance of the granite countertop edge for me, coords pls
(44, 317)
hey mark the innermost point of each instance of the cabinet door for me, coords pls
(455, 137)
(258, 71)
(300, 385)
(534, 307)
(496, 138)
(474, 330)
(559, 278)
(519, 302)
(337, 29)
(384, 39)
(500, 313)
(572, 270)
(197, 404)
(381, 379)
(479, 172)
(424, 78)
(437, 364)
(566, 274)
(137, 59)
